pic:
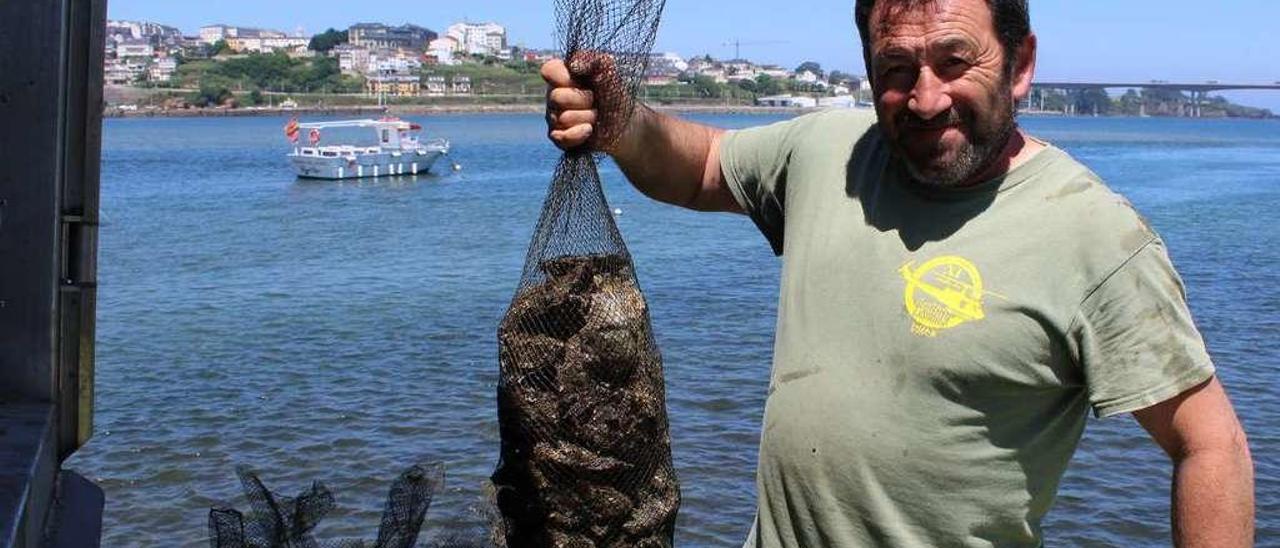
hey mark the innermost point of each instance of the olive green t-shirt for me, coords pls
(938, 351)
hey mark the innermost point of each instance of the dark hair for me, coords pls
(1011, 17)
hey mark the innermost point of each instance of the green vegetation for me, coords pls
(1144, 102)
(811, 67)
(489, 76)
(327, 40)
(248, 76)
(221, 47)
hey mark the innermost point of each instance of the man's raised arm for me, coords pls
(666, 158)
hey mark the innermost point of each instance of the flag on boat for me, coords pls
(291, 130)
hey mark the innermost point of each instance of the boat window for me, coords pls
(386, 136)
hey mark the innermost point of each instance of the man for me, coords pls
(956, 295)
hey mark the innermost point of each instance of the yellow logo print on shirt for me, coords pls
(942, 293)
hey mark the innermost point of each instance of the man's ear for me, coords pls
(1024, 69)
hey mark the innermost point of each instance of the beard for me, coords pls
(940, 164)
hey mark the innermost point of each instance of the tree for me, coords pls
(748, 85)
(837, 77)
(706, 86)
(220, 47)
(211, 95)
(1093, 101)
(1130, 103)
(810, 66)
(327, 40)
(767, 85)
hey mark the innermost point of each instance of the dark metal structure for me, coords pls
(51, 61)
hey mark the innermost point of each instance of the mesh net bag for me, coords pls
(276, 521)
(586, 453)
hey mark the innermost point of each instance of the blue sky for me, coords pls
(1176, 40)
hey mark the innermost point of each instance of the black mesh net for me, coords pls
(276, 521)
(586, 453)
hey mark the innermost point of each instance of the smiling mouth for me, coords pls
(931, 130)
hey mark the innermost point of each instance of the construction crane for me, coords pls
(737, 45)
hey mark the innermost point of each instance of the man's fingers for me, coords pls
(572, 137)
(565, 99)
(555, 73)
(571, 118)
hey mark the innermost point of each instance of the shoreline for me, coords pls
(409, 110)
(526, 108)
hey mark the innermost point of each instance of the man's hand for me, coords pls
(571, 112)
(1213, 502)
(586, 102)
(668, 159)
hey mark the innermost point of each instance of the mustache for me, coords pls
(911, 121)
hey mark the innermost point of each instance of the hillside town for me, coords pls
(406, 61)
(158, 68)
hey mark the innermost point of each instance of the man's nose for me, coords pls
(929, 97)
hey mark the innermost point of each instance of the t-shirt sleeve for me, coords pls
(1135, 338)
(754, 164)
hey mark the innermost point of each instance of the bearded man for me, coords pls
(956, 296)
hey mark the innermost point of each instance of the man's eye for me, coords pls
(955, 62)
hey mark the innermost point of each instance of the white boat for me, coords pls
(398, 151)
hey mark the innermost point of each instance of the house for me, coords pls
(807, 77)
(787, 101)
(134, 49)
(352, 60)
(775, 72)
(436, 86)
(162, 69)
(379, 36)
(461, 85)
(213, 33)
(393, 62)
(664, 69)
(399, 85)
(192, 47)
(479, 38)
(158, 35)
(440, 51)
(285, 43)
(120, 73)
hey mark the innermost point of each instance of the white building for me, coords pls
(479, 38)
(157, 34)
(351, 59)
(436, 86)
(134, 48)
(807, 77)
(461, 85)
(285, 43)
(213, 33)
(442, 50)
(123, 73)
(774, 71)
(787, 101)
(162, 69)
(389, 62)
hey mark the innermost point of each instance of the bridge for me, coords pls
(1199, 90)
